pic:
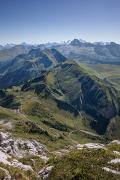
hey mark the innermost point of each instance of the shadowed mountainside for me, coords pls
(75, 90)
(28, 66)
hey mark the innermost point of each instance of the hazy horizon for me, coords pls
(59, 42)
(42, 21)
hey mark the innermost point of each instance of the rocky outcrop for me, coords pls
(19, 147)
(12, 149)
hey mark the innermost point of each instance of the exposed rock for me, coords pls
(4, 136)
(15, 163)
(18, 148)
(116, 141)
(116, 152)
(6, 125)
(61, 152)
(45, 158)
(11, 149)
(114, 161)
(90, 145)
(111, 170)
(45, 172)
(4, 157)
(18, 164)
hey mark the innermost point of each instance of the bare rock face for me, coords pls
(44, 173)
(7, 144)
(16, 163)
(90, 146)
(18, 148)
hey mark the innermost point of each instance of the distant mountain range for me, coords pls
(91, 52)
(79, 50)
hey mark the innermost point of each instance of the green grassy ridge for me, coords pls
(108, 72)
(71, 84)
(42, 120)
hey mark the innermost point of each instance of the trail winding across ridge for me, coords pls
(83, 131)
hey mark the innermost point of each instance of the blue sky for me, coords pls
(38, 21)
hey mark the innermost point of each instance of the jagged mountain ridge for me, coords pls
(91, 52)
(27, 66)
(83, 51)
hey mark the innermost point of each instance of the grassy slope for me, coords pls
(47, 123)
(109, 71)
(86, 164)
(40, 117)
(70, 84)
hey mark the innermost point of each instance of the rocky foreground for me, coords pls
(12, 150)
(29, 159)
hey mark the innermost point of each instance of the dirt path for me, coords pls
(83, 131)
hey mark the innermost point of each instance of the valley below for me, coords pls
(60, 112)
